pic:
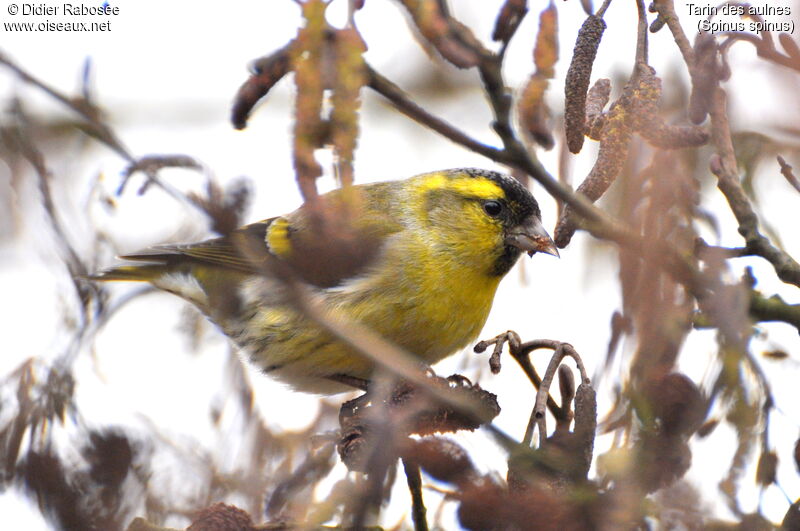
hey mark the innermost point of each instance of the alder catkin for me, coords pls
(705, 74)
(577, 80)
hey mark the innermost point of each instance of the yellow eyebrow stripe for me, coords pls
(477, 187)
(277, 238)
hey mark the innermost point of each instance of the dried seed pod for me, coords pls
(559, 460)
(566, 385)
(640, 97)
(410, 412)
(586, 422)
(487, 505)
(350, 77)
(596, 101)
(577, 80)
(452, 39)
(792, 518)
(353, 446)
(637, 105)
(266, 72)
(797, 454)
(222, 517)
(676, 402)
(662, 461)
(658, 134)
(657, 24)
(610, 159)
(534, 114)
(545, 52)
(509, 19)
(307, 62)
(478, 505)
(442, 459)
(707, 427)
(705, 74)
(767, 468)
(110, 455)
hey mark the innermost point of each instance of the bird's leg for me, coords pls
(350, 381)
(349, 408)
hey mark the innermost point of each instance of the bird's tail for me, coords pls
(136, 273)
(168, 268)
(153, 264)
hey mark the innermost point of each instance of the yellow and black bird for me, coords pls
(423, 262)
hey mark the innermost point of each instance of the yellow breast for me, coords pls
(427, 303)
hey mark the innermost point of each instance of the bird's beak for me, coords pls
(531, 237)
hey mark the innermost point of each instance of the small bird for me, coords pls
(417, 261)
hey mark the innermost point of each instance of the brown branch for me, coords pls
(101, 131)
(786, 171)
(453, 40)
(602, 11)
(508, 20)
(418, 510)
(724, 166)
(666, 11)
(491, 72)
(765, 49)
(90, 113)
(561, 350)
(150, 165)
(75, 265)
(774, 309)
(641, 34)
(266, 72)
(521, 352)
(405, 105)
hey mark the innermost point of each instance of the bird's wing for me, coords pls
(220, 252)
(323, 255)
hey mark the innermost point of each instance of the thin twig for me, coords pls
(414, 479)
(774, 309)
(725, 168)
(641, 34)
(561, 350)
(666, 11)
(603, 8)
(765, 48)
(405, 105)
(538, 417)
(521, 353)
(95, 127)
(786, 171)
(72, 259)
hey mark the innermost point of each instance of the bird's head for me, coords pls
(481, 217)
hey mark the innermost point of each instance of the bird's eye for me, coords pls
(493, 208)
